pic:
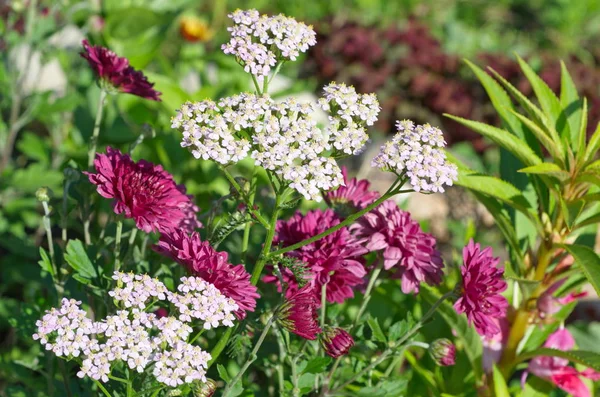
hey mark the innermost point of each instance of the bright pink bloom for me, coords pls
(406, 248)
(144, 192)
(352, 196)
(443, 352)
(336, 342)
(548, 304)
(335, 260)
(299, 314)
(203, 261)
(117, 72)
(482, 284)
(557, 370)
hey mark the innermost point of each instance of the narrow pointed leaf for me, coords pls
(587, 358)
(546, 169)
(502, 138)
(500, 388)
(555, 148)
(589, 262)
(593, 145)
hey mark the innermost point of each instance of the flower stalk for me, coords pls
(97, 124)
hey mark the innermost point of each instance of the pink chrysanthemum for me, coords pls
(336, 342)
(117, 72)
(482, 284)
(443, 352)
(299, 314)
(144, 192)
(203, 261)
(352, 196)
(335, 260)
(406, 248)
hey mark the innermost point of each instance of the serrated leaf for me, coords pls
(550, 169)
(78, 259)
(399, 329)
(593, 145)
(587, 358)
(555, 148)
(458, 324)
(570, 103)
(589, 262)
(500, 388)
(502, 138)
(317, 365)
(376, 329)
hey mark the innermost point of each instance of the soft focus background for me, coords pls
(409, 52)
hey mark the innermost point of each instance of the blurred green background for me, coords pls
(407, 51)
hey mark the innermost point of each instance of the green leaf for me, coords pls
(593, 145)
(571, 107)
(223, 373)
(385, 388)
(502, 138)
(550, 169)
(548, 101)
(587, 358)
(399, 329)
(500, 388)
(536, 387)
(592, 219)
(539, 335)
(45, 262)
(589, 262)
(470, 339)
(317, 365)
(78, 259)
(555, 148)
(376, 329)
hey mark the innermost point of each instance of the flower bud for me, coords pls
(299, 314)
(43, 194)
(336, 342)
(443, 352)
(207, 389)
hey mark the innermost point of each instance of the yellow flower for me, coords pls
(195, 29)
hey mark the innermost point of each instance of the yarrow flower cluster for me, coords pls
(260, 42)
(281, 137)
(135, 337)
(417, 152)
(143, 191)
(335, 260)
(406, 248)
(349, 114)
(203, 261)
(482, 285)
(116, 72)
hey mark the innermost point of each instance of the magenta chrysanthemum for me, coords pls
(117, 72)
(354, 195)
(203, 261)
(144, 192)
(335, 260)
(336, 342)
(482, 285)
(405, 246)
(299, 314)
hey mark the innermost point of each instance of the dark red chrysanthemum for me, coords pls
(299, 314)
(405, 246)
(354, 195)
(117, 72)
(336, 342)
(482, 284)
(144, 192)
(335, 260)
(203, 261)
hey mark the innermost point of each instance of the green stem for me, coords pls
(96, 133)
(220, 346)
(340, 225)
(367, 295)
(118, 244)
(323, 304)
(264, 255)
(241, 192)
(48, 228)
(256, 86)
(295, 389)
(251, 358)
(248, 225)
(63, 371)
(196, 336)
(106, 393)
(64, 210)
(129, 386)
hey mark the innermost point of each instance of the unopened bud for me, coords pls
(43, 194)
(208, 388)
(443, 352)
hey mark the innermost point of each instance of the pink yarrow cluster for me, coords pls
(137, 338)
(144, 192)
(212, 266)
(116, 72)
(335, 260)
